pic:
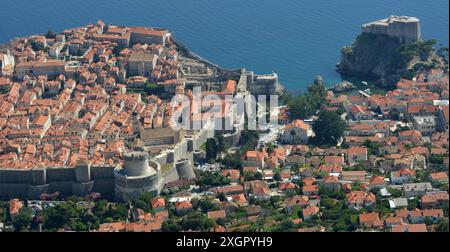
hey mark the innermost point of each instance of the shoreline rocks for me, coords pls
(343, 86)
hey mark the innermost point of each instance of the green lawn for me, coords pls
(166, 167)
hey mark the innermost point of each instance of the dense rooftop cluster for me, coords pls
(89, 93)
(386, 169)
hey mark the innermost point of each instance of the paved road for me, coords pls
(274, 130)
(272, 135)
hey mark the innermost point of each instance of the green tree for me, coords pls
(442, 225)
(372, 147)
(72, 198)
(258, 176)
(436, 159)
(62, 215)
(221, 197)
(152, 88)
(232, 160)
(117, 211)
(23, 220)
(445, 208)
(50, 34)
(443, 53)
(36, 46)
(139, 204)
(117, 49)
(211, 149)
(394, 114)
(328, 128)
(306, 105)
(145, 200)
(171, 226)
(209, 179)
(285, 225)
(207, 205)
(220, 142)
(249, 176)
(277, 176)
(4, 89)
(271, 147)
(197, 221)
(413, 203)
(249, 139)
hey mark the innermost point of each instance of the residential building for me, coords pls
(299, 201)
(360, 199)
(377, 182)
(183, 207)
(391, 221)
(409, 228)
(158, 204)
(332, 183)
(434, 200)
(310, 211)
(49, 68)
(426, 125)
(403, 176)
(296, 132)
(417, 189)
(398, 203)
(215, 215)
(310, 190)
(370, 220)
(356, 154)
(354, 175)
(141, 64)
(439, 178)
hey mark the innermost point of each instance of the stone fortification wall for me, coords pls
(405, 28)
(170, 175)
(225, 73)
(199, 155)
(409, 31)
(79, 180)
(231, 139)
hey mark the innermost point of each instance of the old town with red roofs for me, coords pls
(86, 113)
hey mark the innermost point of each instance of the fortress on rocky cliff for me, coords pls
(407, 29)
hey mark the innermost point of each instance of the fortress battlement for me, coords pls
(403, 27)
(133, 156)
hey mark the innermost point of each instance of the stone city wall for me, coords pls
(80, 180)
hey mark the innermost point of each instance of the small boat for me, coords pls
(365, 83)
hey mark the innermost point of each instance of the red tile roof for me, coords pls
(439, 176)
(376, 180)
(370, 219)
(310, 210)
(181, 205)
(158, 202)
(357, 150)
(217, 214)
(298, 124)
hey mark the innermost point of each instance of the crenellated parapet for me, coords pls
(403, 27)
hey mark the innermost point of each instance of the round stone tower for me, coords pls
(185, 169)
(136, 164)
(137, 175)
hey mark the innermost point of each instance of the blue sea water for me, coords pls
(297, 39)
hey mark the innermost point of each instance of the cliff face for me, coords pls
(372, 57)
